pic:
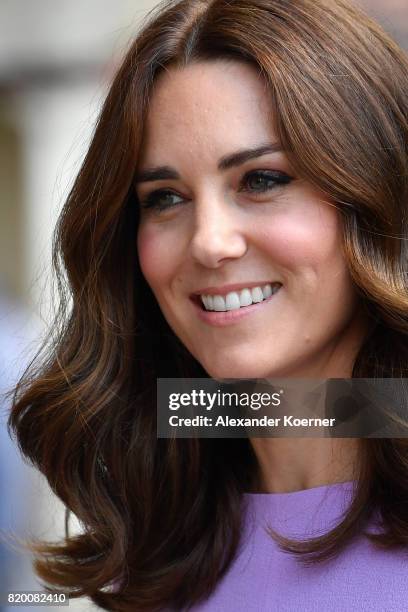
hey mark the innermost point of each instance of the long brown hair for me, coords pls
(162, 518)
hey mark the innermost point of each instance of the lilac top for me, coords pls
(263, 578)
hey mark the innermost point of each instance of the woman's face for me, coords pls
(224, 215)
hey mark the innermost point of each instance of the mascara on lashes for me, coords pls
(277, 178)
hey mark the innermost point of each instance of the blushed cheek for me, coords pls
(290, 246)
(300, 241)
(151, 254)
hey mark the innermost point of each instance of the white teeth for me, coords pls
(257, 295)
(267, 291)
(208, 301)
(235, 300)
(232, 301)
(219, 303)
(245, 297)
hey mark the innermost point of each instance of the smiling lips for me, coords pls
(240, 298)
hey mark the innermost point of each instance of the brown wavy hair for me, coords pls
(162, 518)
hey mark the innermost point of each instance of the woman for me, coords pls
(250, 150)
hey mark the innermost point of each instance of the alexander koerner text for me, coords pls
(226, 421)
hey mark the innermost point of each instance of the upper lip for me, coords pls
(223, 289)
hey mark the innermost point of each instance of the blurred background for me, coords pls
(57, 58)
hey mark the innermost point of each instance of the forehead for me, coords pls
(209, 104)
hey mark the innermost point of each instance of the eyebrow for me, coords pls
(161, 173)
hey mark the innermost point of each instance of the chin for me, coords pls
(243, 370)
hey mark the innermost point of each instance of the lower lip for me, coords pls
(229, 317)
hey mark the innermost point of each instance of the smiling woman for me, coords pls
(232, 218)
(251, 223)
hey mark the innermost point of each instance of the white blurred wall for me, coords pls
(56, 59)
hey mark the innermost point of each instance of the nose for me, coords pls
(219, 234)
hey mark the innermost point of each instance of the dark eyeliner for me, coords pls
(278, 178)
(153, 198)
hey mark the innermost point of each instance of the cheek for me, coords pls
(310, 253)
(303, 239)
(151, 250)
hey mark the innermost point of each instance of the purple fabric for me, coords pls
(263, 578)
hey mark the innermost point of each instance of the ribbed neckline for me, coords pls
(301, 492)
(301, 513)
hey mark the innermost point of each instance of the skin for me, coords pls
(225, 228)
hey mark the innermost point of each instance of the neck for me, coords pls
(293, 464)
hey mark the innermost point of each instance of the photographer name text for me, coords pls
(226, 421)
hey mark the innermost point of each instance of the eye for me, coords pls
(161, 199)
(262, 181)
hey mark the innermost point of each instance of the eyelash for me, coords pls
(278, 178)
